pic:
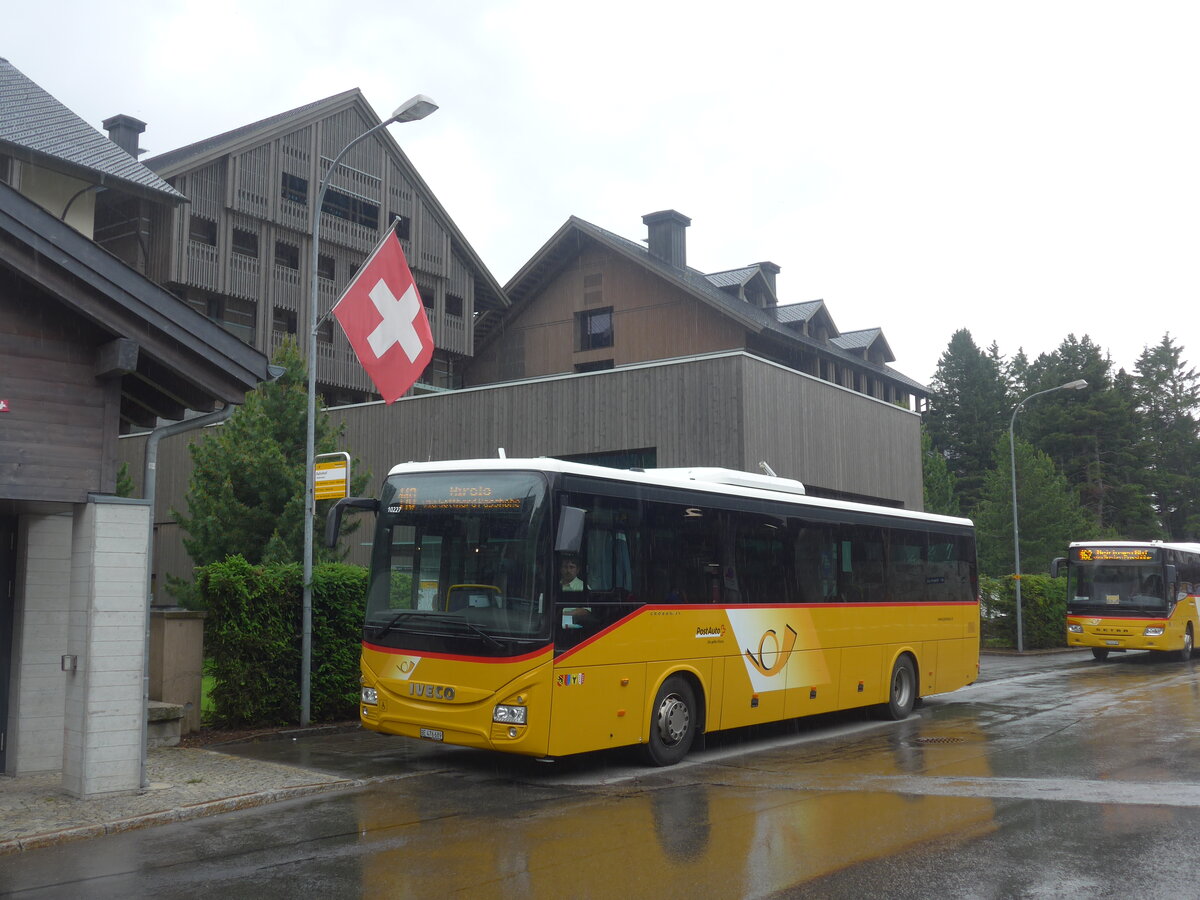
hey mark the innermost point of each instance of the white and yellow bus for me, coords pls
(549, 608)
(1132, 596)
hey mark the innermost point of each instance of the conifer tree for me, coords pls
(966, 412)
(1049, 514)
(1167, 394)
(939, 488)
(247, 487)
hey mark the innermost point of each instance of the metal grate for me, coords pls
(939, 740)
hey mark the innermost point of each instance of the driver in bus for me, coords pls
(570, 582)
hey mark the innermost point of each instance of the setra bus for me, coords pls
(549, 608)
(1132, 595)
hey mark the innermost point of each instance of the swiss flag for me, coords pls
(383, 317)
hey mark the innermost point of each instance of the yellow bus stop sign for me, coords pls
(331, 479)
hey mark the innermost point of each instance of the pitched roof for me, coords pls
(798, 312)
(489, 296)
(36, 127)
(564, 243)
(185, 361)
(864, 340)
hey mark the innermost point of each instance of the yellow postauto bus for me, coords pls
(1132, 596)
(548, 608)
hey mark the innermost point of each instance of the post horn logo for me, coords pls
(782, 652)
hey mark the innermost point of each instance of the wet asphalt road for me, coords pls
(1050, 777)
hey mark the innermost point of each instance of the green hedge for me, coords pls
(253, 641)
(1043, 611)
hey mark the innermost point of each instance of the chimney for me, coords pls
(666, 239)
(769, 271)
(124, 131)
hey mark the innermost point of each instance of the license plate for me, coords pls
(433, 734)
(1113, 643)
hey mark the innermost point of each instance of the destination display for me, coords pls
(458, 497)
(1115, 554)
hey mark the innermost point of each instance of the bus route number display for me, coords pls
(1115, 554)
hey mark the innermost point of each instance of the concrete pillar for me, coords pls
(177, 661)
(105, 706)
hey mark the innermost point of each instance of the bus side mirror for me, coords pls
(1171, 574)
(1057, 564)
(570, 530)
(333, 521)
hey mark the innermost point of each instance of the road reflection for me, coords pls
(753, 825)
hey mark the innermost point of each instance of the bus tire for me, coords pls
(902, 691)
(673, 720)
(1184, 653)
(1100, 653)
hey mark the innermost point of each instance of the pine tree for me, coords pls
(1049, 514)
(1167, 393)
(967, 412)
(1091, 435)
(248, 476)
(940, 492)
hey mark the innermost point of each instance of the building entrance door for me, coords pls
(8, 605)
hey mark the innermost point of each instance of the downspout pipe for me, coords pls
(148, 491)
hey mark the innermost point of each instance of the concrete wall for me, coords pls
(38, 690)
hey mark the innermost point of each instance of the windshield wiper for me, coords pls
(438, 617)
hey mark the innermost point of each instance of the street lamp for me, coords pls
(1012, 455)
(416, 108)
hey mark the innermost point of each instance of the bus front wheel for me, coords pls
(1100, 653)
(902, 691)
(1189, 640)
(672, 723)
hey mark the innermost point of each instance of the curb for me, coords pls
(182, 814)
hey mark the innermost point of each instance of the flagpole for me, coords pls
(416, 108)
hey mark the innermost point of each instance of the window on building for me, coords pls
(595, 328)
(454, 305)
(325, 331)
(325, 267)
(404, 226)
(354, 209)
(295, 188)
(235, 315)
(594, 366)
(245, 242)
(202, 231)
(287, 255)
(284, 321)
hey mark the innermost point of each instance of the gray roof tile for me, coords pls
(33, 121)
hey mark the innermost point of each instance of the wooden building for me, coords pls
(239, 251)
(590, 300)
(89, 349)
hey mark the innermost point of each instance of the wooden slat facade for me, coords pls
(730, 410)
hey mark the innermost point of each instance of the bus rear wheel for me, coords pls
(1189, 640)
(902, 691)
(1100, 653)
(672, 723)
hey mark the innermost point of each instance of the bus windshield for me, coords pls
(1114, 587)
(455, 565)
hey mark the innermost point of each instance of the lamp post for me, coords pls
(1078, 385)
(416, 108)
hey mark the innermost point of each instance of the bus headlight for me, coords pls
(510, 715)
(370, 696)
(1153, 631)
(1075, 629)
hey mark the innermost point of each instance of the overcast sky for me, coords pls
(1026, 170)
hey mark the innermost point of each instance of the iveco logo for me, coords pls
(430, 691)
